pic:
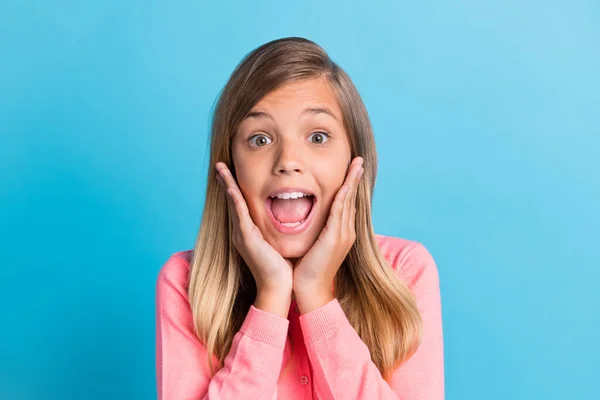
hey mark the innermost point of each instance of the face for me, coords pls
(293, 140)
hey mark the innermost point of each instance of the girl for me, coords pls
(288, 292)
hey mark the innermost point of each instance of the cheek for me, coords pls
(250, 186)
(329, 189)
(333, 180)
(250, 172)
(246, 177)
(330, 184)
(249, 189)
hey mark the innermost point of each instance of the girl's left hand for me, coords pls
(315, 272)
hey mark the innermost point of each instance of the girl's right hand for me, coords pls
(272, 272)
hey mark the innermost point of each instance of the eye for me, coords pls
(321, 137)
(260, 139)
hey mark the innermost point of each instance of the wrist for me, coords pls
(274, 301)
(311, 299)
(312, 288)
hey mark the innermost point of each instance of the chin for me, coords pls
(291, 248)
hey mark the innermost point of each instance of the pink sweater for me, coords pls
(330, 359)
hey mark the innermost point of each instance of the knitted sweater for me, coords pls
(330, 361)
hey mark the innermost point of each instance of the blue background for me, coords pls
(487, 121)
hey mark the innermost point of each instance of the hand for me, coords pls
(271, 271)
(315, 272)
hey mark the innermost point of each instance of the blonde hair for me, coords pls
(379, 306)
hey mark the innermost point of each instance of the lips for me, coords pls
(291, 228)
(289, 189)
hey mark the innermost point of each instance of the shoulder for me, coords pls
(410, 259)
(174, 273)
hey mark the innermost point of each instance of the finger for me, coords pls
(336, 215)
(350, 199)
(353, 179)
(235, 218)
(241, 208)
(235, 198)
(221, 182)
(225, 174)
(355, 166)
(352, 203)
(334, 221)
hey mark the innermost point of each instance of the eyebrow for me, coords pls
(312, 111)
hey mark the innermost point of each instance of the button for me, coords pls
(304, 379)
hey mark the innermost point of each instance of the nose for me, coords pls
(289, 159)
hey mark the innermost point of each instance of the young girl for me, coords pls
(288, 292)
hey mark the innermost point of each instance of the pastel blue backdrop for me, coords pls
(486, 116)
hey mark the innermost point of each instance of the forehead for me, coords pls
(294, 97)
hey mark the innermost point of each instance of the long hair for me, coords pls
(379, 306)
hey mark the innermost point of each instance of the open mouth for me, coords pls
(290, 215)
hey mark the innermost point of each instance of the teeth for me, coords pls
(292, 224)
(290, 195)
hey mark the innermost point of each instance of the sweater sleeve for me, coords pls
(342, 363)
(251, 368)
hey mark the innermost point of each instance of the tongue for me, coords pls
(291, 210)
